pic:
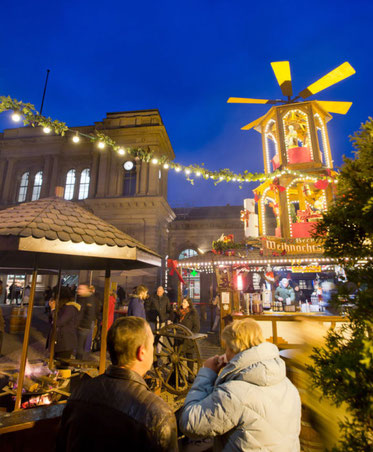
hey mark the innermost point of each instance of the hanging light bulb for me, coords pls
(177, 169)
(47, 129)
(166, 166)
(76, 138)
(154, 161)
(16, 117)
(187, 171)
(101, 144)
(198, 173)
(121, 151)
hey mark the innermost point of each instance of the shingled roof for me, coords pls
(57, 221)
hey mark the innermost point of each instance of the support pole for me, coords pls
(52, 337)
(26, 337)
(105, 315)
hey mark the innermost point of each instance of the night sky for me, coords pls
(186, 59)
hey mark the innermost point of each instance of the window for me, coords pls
(70, 184)
(192, 286)
(129, 182)
(84, 184)
(23, 187)
(38, 182)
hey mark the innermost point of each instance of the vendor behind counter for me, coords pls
(285, 293)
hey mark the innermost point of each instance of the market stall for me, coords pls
(54, 234)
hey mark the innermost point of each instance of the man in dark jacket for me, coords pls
(88, 314)
(116, 411)
(160, 307)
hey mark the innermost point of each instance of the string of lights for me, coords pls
(27, 114)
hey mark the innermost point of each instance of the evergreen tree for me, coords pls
(343, 367)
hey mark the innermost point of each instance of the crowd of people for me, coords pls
(79, 317)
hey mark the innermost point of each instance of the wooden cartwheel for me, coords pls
(177, 358)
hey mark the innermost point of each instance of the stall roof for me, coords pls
(54, 233)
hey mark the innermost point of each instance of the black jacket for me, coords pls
(66, 327)
(116, 411)
(89, 310)
(159, 307)
(191, 321)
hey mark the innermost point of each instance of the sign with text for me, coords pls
(306, 269)
(277, 246)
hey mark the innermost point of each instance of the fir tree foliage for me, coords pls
(343, 367)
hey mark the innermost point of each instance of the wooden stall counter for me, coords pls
(287, 329)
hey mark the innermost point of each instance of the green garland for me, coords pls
(35, 119)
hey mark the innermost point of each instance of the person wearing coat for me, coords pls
(250, 405)
(188, 316)
(285, 293)
(66, 324)
(160, 307)
(136, 305)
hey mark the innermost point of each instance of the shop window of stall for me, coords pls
(191, 277)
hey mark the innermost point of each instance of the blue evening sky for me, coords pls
(186, 59)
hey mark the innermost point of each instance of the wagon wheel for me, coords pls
(177, 359)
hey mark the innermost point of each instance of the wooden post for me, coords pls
(52, 337)
(105, 315)
(26, 337)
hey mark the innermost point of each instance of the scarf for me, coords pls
(183, 313)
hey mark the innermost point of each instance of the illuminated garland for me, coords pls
(29, 116)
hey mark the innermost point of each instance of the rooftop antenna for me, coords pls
(45, 88)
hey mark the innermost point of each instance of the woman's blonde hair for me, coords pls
(242, 334)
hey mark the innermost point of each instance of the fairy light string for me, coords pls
(27, 113)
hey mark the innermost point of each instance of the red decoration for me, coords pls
(302, 229)
(245, 215)
(275, 162)
(256, 197)
(228, 238)
(305, 215)
(328, 172)
(299, 155)
(276, 187)
(172, 265)
(321, 184)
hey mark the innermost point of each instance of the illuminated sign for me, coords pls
(306, 269)
(291, 246)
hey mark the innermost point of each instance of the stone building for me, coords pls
(128, 193)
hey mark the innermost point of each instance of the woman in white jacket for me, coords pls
(251, 405)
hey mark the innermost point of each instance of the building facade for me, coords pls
(128, 193)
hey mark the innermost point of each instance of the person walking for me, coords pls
(116, 410)
(243, 399)
(88, 314)
(136, 305)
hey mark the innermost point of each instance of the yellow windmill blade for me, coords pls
(336, 75)
(335, 107)
(244, 100)
(283, 76)
(253, 124)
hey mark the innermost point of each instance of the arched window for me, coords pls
(129, 180)
(191, 277)
(23, 187)
(84, 184)
(38, 182)
(70, 184)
